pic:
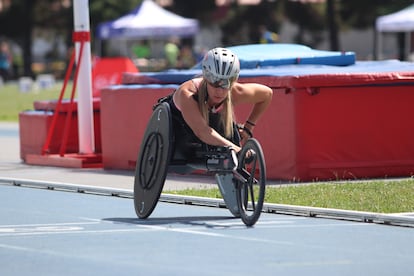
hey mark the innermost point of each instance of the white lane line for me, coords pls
(59, 229)
(238, 223)
(206, 233)
(46, 224)
(317, 225)
(29, 229)
(91, 219)
(40, 229)
(77, 228)
(313, 263)
(79, 231)
(18, 248)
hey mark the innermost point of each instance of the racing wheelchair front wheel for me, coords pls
(251, 182)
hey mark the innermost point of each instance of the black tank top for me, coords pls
(214, 117)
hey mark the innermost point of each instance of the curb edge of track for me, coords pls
(368, 217)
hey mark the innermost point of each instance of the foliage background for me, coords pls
(20, 17)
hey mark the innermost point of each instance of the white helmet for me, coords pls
(220, 67)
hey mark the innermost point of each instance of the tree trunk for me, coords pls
(332, 25)
(27, 37)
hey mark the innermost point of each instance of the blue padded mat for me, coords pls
(263, 55)
(360, 67)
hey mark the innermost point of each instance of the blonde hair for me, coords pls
(226, 115)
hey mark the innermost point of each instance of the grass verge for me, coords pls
(12, 101)
(370, 196)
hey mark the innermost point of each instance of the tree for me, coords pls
(22, 16)
(308, 17)
(18, 21)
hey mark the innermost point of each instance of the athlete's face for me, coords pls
(217, 93)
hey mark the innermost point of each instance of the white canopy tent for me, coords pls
(401, 21)
(146, 21)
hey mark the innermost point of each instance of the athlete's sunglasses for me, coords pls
(223, 83)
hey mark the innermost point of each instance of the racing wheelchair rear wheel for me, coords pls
(251, 182)
(152, 163)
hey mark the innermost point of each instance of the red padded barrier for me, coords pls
(125, 113)
(34, 126)
(314, 130)
(346, 132)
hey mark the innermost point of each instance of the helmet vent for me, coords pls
(230, 68)
(217, 67)
(223, 68)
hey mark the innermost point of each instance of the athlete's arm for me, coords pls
(257, 94)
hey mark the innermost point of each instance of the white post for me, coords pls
(84, 81)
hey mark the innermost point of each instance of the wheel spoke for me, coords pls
(250, 200)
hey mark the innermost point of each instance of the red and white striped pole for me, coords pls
(84, 80)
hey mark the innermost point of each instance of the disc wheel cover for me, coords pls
(152, 162)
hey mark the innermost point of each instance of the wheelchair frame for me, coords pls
(241, 180)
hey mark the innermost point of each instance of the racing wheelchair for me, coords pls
(241, 179)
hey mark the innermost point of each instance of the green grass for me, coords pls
(12, 101)
(370, 196)
(373, 196)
